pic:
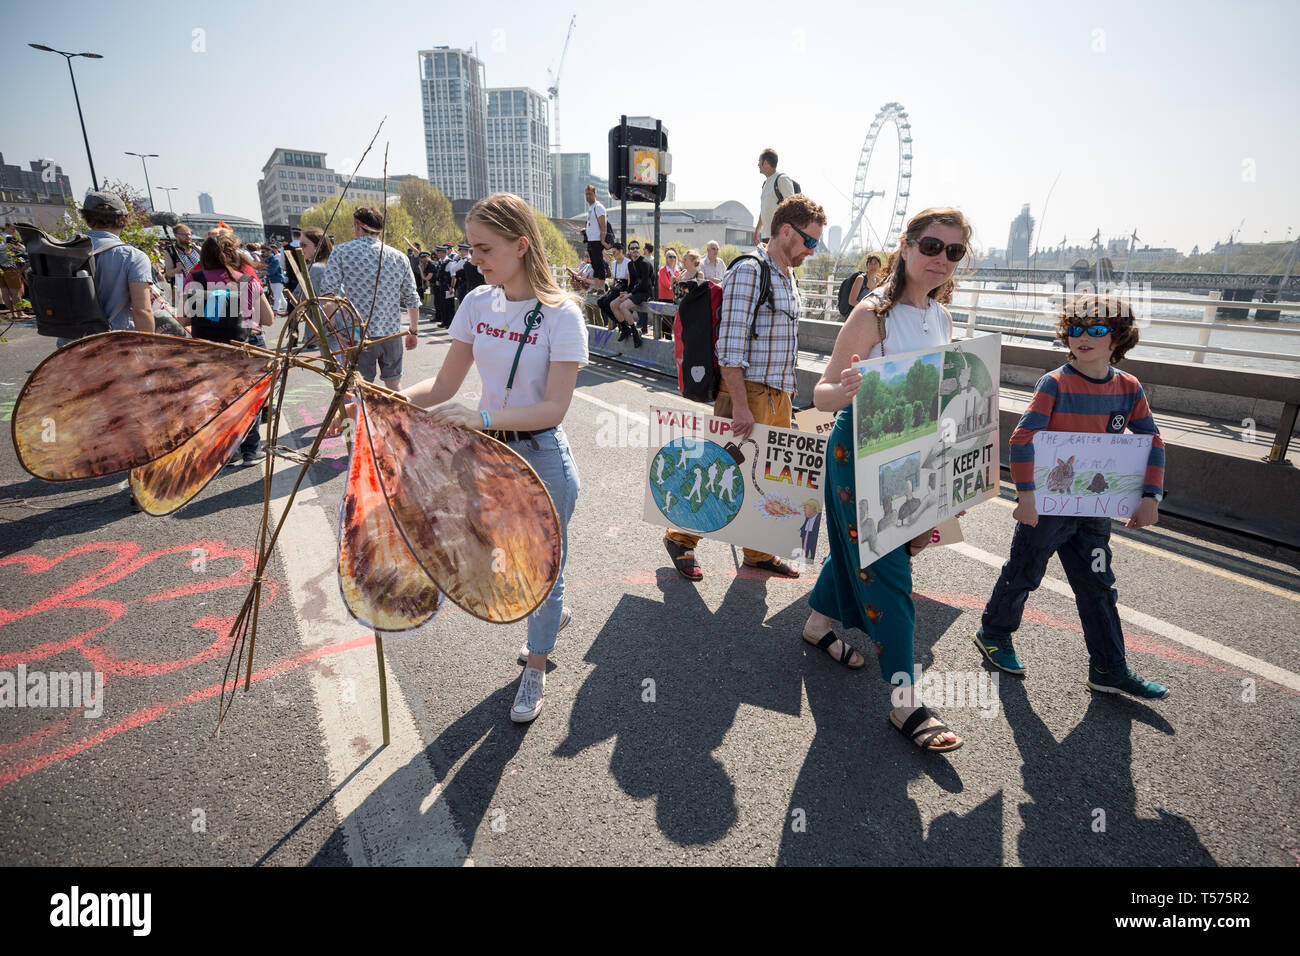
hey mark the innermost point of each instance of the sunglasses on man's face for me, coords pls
(1096, 331)
(932, 246)
(808, 241)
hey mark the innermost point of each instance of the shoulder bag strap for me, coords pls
(531, 321)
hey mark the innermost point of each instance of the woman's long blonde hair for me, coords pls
(894, 274)
(512, 219)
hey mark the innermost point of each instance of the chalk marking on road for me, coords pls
(392, 810)
(1173, 632)
(1191, 563)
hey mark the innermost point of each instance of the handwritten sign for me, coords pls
(1089, 474)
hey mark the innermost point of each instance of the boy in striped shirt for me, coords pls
(1083, 395)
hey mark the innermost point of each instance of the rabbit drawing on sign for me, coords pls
(1099, 484)
(1061, 478)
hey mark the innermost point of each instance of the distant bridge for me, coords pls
(1185, 281)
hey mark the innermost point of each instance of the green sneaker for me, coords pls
(999, 653)
(1130, 683)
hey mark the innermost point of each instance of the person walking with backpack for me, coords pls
(123, 273)
(905, 314)
(758, 347)
(528, 339)
(776, 189)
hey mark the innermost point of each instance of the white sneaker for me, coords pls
(528, 702)
(565, 618)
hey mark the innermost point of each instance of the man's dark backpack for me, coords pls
(62, 283)
(846, 289)
(695, 333)
(776, 187)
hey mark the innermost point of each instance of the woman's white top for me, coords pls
(495, 326)
(909, 329)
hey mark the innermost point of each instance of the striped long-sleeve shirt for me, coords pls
(1066, 400)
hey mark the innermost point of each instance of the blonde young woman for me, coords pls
(519, 296)
(904, 314)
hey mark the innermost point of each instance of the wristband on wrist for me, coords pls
(487, 419)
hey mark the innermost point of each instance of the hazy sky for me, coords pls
(1174, 118)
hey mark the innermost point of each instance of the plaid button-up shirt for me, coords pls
(350, 271)
(770, 356)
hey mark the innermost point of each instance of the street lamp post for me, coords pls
(143, 157)
(68, 56)
(169, 190)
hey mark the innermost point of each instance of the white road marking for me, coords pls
(391, 809)
(1172, 632)
(1190, 562)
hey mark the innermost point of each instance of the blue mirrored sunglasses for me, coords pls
(1096, 331)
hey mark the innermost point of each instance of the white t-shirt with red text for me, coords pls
(494, 326)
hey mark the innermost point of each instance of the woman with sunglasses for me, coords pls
(903, 315)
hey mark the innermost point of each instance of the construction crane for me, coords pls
(553, 92)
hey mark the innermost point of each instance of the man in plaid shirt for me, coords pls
(757, 351)
(351, 271)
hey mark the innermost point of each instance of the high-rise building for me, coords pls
(292, 182)
(1018, 239)
(452, 95)
(518, 140)
(205, 204)
(573, 172)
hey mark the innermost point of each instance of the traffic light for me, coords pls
(638, 163)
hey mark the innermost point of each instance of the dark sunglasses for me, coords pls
(931, 246)
(808, 241)
(1096, 331)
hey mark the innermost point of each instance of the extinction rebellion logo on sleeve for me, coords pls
(132, 910)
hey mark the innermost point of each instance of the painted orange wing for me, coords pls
(162, 486)
(474, 514)
(119, 400)
(382, 584)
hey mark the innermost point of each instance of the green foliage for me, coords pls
(397, 223)
(558, 250)
(432, 222)
(1264, 258)
(906, 409)
(139, 232)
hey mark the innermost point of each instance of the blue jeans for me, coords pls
(253, 440)
(550, 457)
(1083, 545)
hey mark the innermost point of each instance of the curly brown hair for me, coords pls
(1089, 307)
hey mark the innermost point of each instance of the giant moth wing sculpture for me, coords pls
(428, 510)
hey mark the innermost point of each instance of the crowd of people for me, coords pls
(506, 316)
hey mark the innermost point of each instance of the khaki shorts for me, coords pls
(387, 356)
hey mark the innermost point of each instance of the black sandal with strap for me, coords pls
(683, 560)
(846, 654)
(915, 720)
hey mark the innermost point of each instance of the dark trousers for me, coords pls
(597, 253)
(1083, 545)
(253, 440)
(604, 302)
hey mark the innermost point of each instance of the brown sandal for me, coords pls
(775, 565)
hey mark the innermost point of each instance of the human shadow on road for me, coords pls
(1091, 770)
(850, 805)
(103, 505)
(467, 794)
(668, 680)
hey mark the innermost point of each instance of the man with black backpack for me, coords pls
(598, 234)
(757, 349)
(122, 273)
(777, 188)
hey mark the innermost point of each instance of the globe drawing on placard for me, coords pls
(696, 484)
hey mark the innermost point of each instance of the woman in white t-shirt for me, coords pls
(518, 314)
